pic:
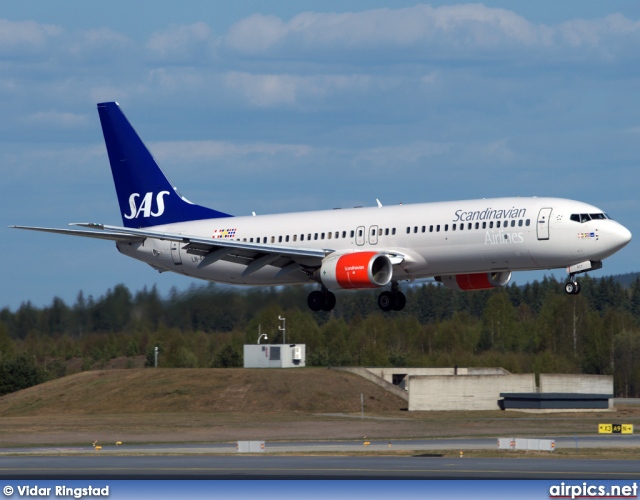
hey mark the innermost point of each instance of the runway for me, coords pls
(309, 467)
(220, 461)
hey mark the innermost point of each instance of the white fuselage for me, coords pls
(443, 238)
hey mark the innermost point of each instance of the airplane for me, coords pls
(465, 245)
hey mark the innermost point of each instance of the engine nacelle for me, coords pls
(356, 270)
(479, 281)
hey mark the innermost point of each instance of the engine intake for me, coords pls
(476, 281)
(356, 270)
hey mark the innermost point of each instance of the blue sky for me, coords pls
(294, 106)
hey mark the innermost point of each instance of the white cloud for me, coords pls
(425, 32)
(58, 119)
(30, 35)
(469, 25)
(402, 155)
(196, 151)
(181, 41)
(177, 79)
(264, 90)
(100, 42)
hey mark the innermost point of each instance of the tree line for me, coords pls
(532, 328)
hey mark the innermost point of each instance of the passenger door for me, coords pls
(543, 223)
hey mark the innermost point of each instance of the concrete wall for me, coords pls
(468, 392)
(583, 384)
(388, 373)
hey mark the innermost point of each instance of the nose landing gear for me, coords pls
(572, 287)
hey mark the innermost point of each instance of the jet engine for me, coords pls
(479, 281)
(356, 270)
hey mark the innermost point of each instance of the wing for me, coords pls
(103, 235)
(254, 256)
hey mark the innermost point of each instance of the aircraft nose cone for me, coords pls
(620, 236)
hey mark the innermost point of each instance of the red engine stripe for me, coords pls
(473, 281)
(352, 270)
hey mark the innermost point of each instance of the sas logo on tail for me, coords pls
(145, 207)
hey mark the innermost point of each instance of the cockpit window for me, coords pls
(582, 218)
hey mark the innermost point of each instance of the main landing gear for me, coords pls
(324, 300)
(393, 300)
(321, 300)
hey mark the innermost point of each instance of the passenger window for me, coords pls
(527, 222)
(360, 232)
(322, 236)
(520, 223)
(393, 231)
(477, 225)
(462, 227)
(470, 226)
(453, 227)
(431, 229)
(302, 237)
(344, 234)
(490, 224)
(484, 225)
(386, 232)
(408, 229)
(380, 232)
(513, 223)
(279, 239)
(352, 233)
(415, 229)
(438, 228)
(498, 224)
(446, 227)
(273, 239)
(315, 236)
(295, 237)
(264, 240)
(287, 238)
(337, 234)
(309, 237)
(250, 240)
(373, 232)
(424, 229)
(328, 236)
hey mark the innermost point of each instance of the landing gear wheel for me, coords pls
(399, 301)
(385, 301)
(329, 301)
(572, 287)
(315, 300)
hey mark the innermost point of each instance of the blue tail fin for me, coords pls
(146, 196)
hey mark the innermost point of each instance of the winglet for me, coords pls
(145, 195)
